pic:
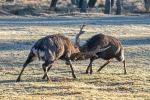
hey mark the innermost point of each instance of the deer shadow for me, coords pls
(15, 45)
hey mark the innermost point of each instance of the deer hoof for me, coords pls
(74, 76)
(86, 72)
(18, 80)
(125, 73)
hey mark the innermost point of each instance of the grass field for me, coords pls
(109, 84)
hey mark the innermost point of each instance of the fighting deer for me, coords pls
(51, 48)
(115, 49)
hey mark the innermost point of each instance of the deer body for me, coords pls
(50, 49)
(102, 40)
(99, 41)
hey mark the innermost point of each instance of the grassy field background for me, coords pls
(110, 84)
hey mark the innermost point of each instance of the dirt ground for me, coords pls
(17, 35)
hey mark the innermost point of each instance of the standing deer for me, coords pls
(51, 48)
(115, 49)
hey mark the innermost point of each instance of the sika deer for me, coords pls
(50, 49)
(115, 49)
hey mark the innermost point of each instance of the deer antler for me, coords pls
(78, 35)
(81, 28)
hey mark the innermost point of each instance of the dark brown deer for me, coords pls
(115, 49)
(51, 48)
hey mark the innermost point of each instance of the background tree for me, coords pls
(83, 5)
(53, 4)
(109, 4)
(75, 2)
(118, 4)
(147, 5)
(92, 3)
(9, 0)
(112, 3)
(107, 7)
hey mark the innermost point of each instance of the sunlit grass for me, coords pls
(110, 83)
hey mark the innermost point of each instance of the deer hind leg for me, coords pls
(121, 58)
(30, 58)
(19, 77)
(103, 66)
(124, 65)
(89, 67)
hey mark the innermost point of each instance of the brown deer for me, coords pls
(114, 50)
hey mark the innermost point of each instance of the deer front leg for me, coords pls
(89, 67)
(72, 70)
(49, 60)
(68, 62)
(44, 66)
(47, 69)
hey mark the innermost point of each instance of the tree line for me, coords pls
(83, 5)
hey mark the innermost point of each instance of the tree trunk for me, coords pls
(147, 5)
(91, 3)
(75, 2)
(9, 0)
(112, 3)
(107, 7)
(83, 5)
(118, 4)
(53, 4)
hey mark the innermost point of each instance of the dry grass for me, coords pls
(109, 84)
